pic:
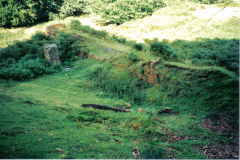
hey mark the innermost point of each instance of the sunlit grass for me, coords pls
(43, 118)
(44, 115)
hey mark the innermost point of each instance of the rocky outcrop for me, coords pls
(51, 53)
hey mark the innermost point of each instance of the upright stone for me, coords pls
(51, 53)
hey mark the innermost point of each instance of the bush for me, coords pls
(133, 57)
(120, 11)
(162, 49)
(25, 60)
(119, 39)
(71, 8)
(68, 48)
(18, 13)
(138, 46)
(218, 52)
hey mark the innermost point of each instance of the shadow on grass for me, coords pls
(210, 52)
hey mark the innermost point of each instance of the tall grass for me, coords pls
(76, 25)
(117, 82)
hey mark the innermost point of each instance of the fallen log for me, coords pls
(97, 106)
(167, 111)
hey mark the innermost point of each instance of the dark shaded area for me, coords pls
(202, 52)
(25, 60)
(104, 107)
(18, 13)
(210, 52)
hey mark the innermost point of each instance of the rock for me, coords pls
(51, 30)
(51, 53)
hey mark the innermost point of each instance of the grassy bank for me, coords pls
(42, 117)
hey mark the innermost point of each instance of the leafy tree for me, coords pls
(17, 13)
(71, 8)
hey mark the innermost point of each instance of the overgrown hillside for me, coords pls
(182, 95)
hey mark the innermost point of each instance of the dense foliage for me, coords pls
(120, 11)
(15, 13)
(25, 60)
(162, 49)
(71, 8)
(18, 13)
(211, 52)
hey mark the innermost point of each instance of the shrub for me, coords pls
(162, 49)
(25, 60)
(133, 57)
(119, 39)
(18, 13)
(71, 8)
(218, 52)
(120, 11)
(18, 49)
(23, 70)
(138, 46)
(69, 48)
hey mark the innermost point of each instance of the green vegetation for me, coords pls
(71, 8)
(16, 13)
(197, 79)
(58, 127)
(76, 25)
(42, 124)
(120, 11)
(212, 52)
(162, 49)
(25, 60)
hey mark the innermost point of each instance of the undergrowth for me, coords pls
(117, 82)
(25, 60)
(193, 88)
(61, 128)
(120, 11)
